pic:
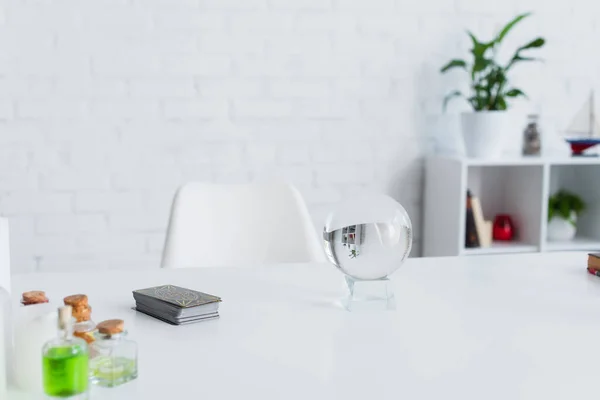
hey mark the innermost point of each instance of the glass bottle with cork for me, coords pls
(115, 357)
(33, 323)
(82, 312)
(65, 361)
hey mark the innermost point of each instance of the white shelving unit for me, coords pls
(519, 187)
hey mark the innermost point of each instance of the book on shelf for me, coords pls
(471, 237)
(484, 228)
(478, 230)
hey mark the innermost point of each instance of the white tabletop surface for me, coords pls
(490, 327)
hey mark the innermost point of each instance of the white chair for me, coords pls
(4, 255)
(229, 225)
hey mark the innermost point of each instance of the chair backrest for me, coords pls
(4, 255)
(230, 225)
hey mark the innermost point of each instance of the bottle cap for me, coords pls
(76, 300)
(34, 297)
(111, 326)
(64, 317)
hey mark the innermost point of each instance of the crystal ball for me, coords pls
(368, 237)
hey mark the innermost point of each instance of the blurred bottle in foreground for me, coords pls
(65, 361)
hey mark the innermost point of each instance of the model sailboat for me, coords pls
(584, 131)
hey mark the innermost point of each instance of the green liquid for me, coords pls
(65, 371)
(112, 371)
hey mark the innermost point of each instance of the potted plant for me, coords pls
(490, 91)
(563, 209)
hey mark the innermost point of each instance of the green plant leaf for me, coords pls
(509, 26)
(515, 93)
(450, 96)
(564, 210)
(478, 103)
(577, 204)
(534, 44)
(454, 64)
(500, 103)
(480, 64)
(517, 57)
(479, 48)
(563, 203)
(489, 87)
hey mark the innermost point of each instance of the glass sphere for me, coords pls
(368, 237)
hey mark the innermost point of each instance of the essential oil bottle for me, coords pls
(65, 362)
(115, 356)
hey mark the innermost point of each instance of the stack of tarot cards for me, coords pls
(176, 305)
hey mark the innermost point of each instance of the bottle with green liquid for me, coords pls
(65, 362)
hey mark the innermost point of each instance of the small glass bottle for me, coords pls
(532, 142)
(65, 361)
(115, 360)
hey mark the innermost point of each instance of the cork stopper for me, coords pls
(111, 326)
(81, 309)
(76, 300)
(64, 317)
(34, 297)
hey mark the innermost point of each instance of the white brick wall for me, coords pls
(106, 106)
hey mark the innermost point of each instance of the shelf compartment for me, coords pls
(513, 190)
(583, 181)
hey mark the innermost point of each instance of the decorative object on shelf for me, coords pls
(504, 229)
(115, 357)
(367, 238)
(532, 141)
(484, 228)
(484, 129)
(65, 361)
(584, 131)
(471, 238)
(563, 209)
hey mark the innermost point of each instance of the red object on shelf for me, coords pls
(504, 229)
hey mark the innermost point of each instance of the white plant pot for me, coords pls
(485, 133)
(562, 230)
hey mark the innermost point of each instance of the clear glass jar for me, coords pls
(114, 359)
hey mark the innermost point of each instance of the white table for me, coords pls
(490, 327)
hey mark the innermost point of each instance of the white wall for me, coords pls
(106, 106)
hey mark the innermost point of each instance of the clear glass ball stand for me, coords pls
(369, 295)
